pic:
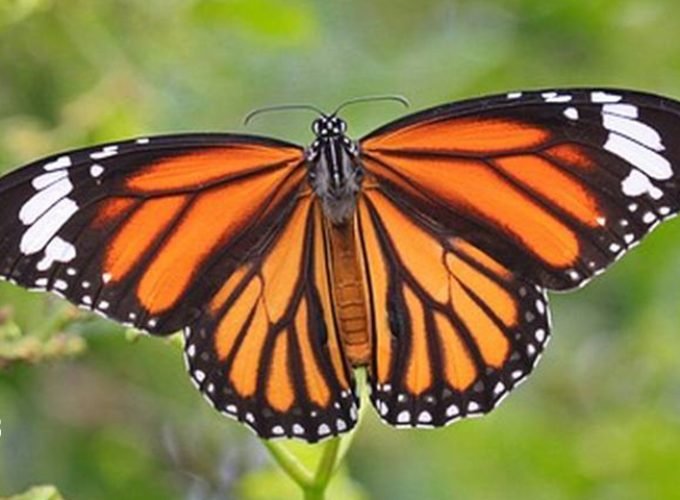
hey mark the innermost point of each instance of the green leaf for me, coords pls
(38, 493)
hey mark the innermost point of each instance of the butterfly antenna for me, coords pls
(281, 107)
(373, 98)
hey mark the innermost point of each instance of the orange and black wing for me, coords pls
(531, 190)
(266, 350)
(453, 329)
(136, 230)
(155, 232)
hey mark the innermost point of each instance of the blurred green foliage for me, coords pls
(600, 418)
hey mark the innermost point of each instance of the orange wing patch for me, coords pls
(112, 210)
(279, 384)
(572, 155)
(314, 380)
(177, 262)
(139, 233)
(497, 297)
(479, 190)
(482, 258)
(416, 249)
(459, 368)
(379, 282)
(196, 169)
(418, 376)
(553, 184)
(465, 135)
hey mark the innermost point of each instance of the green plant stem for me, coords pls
(314, 485)
(289, 463)
(324, 471)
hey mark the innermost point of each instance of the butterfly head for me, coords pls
(335, 172)
(329, 126)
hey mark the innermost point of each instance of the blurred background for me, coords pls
(103, 414)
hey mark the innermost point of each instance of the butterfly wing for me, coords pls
(454, 330)
(556, 185)
(266, 350)
(472, 210)
(215, 233)
(129, 229)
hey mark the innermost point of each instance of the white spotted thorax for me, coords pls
(334, 169)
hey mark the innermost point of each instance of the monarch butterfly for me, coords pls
(422, 251)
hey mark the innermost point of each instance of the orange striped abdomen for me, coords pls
(349, 299)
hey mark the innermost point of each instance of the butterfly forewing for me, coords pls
(131, 229)
(556, 185)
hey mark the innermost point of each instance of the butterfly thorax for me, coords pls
(335, 172)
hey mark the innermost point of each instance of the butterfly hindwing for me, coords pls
(133, 230)
(554, 184)
(266, 350)
(454, 330)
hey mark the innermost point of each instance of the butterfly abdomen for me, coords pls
(349, 293)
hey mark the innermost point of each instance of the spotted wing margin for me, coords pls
(266, 350)
(555, 185)
(453, 329)
(144, 230)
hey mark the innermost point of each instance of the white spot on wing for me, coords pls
(638, 183)
(41, 201)
(61, 162)
(540, 335)
(571, 113)
(636, 130)
(604, 97)
(555, 97)
(106, 152)
(650, 162)
(628, 110)
(58, 250)
(514, 95)
(41, 232)
(96, 170)
(473, 406)
(452, 411)
(44, 180)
